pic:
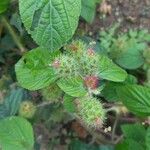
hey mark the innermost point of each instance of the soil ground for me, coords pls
(129, 13)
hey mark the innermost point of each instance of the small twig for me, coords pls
(113, 105)
(118, 139)
(1, 29)
(114, 109)
(43, 104)
(13, 34)
(114, 127)
(125, 119)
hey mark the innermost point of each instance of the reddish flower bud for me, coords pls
(56, 64)
(91, 82)
(98, 122)
(73, 47)
(91, 52)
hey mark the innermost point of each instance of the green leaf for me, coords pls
(110, 93)
(136, 98)
(88, 10)
(130, 132)
(16, 134)
(69, 103)
(12, 102)
(34, 69)
(148, 139)
(51, 23)
(129, 144)
(110, 90)
(72, 86)
(3, 5)
(122, 146)
(110, 71)
(131, 79)
(133, 52)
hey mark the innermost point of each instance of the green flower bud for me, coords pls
(27, 109)
(52, 93)
(76, 47)
(78, 60)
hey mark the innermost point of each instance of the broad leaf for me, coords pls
(3, 5)
(50, 22)
(16, 134)
(72, 86)
(136, 98)
(110, 90)
(130, 133)
(34, 70)
(88, 10)
(129, 144)
(110, 71)
(134, 53)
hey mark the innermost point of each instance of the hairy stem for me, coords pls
(13, 34)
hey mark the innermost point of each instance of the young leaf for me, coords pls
(73, 87)
(136, 98)
(34, 70)
(16, 134)
(110, 71)
(3, 5)
(50, 22)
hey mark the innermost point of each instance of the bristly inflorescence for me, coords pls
(90, 112)
(80, 60)
(77, 60)
(27, 109)
(66, 66)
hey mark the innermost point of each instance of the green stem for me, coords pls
(116, 110)
(114, 127)
(43, 104)
(13, 34)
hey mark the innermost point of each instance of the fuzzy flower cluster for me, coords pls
(78, 61)
(90, 112)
